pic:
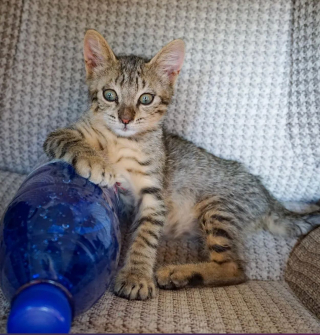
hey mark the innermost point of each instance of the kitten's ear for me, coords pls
(96, 51)
(169, 59)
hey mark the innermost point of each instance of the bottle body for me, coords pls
(60, 229)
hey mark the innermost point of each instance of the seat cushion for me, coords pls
(253, 307)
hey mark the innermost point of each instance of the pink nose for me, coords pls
(125, 121)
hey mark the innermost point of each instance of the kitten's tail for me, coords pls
(287, 223)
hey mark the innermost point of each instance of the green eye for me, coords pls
(146, 98)
(110, 95)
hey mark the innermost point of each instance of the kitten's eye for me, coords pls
(110, 95)
(146, 98)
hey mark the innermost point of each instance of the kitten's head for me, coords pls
(131, 94)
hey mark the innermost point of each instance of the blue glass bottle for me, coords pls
(60, 243)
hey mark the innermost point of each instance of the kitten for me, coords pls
(172, 186)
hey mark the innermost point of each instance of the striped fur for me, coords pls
(171, 186)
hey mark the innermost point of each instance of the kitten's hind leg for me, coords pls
(206, 273)
(225, 265)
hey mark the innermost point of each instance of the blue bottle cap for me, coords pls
(40, 308)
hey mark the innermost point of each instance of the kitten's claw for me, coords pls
(96, 170)
(134, 286)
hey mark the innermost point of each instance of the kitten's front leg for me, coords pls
(136, 279)
(79, 145)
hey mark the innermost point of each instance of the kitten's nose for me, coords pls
(125, 121)
(126, 114)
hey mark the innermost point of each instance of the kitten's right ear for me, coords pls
(96, 51)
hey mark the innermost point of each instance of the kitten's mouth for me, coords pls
(125, 130)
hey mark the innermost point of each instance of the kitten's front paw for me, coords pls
(96, 170)
(134, 286)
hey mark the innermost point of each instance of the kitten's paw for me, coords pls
(177, 276)
(96, 170)
(171, 277)
(134, 286)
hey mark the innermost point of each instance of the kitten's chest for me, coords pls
(130, 162)
(125, 154)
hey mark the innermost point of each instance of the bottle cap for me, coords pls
(40, 308)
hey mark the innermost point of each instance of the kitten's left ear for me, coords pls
(168, 61)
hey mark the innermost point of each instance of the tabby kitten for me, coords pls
(171, 186)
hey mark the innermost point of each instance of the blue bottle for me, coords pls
(60, 243)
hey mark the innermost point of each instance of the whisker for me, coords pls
(140, 118)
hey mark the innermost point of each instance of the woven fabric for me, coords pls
(304, 112)
(303, 272)
(232, 95)
(9, 184)
(253, 307)
(10, 19)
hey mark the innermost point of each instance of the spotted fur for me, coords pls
(169, 185)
